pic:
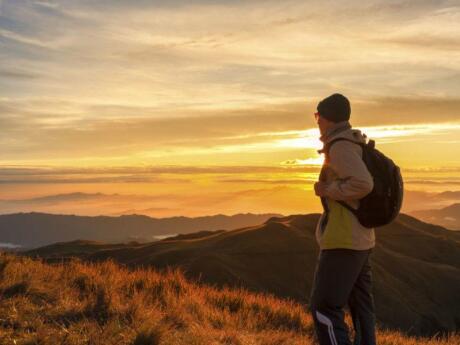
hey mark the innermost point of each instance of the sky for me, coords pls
(204, 107)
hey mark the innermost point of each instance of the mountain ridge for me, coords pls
(448, 216)
(34, 229)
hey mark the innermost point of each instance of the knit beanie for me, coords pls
(335, 108)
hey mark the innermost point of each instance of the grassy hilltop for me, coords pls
(416, 266)
(104, 303)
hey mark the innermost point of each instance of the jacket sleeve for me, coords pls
(354, 181)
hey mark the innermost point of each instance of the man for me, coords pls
(343, 274)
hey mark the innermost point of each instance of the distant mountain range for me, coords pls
(116, 204)
(448, 217)
(38, 229)
(416, 265)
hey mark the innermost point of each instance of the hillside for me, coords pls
(416, 265)
(102, 303)
(448, 217)
(38, 229)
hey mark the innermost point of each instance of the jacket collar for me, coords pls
(332, 132)
(335, 129)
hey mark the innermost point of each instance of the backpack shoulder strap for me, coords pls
(326, 148)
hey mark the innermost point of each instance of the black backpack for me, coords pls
(383, 203)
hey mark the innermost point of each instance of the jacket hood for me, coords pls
(352, 134)
(343, 130)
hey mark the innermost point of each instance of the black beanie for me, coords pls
(335, 108)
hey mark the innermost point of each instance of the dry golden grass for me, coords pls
(104, 303)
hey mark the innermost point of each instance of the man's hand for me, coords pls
(320, 188)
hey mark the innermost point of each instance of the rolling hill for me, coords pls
(416, 265)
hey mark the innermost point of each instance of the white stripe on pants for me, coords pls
(326, 321)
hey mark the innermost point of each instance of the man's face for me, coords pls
(322, 123)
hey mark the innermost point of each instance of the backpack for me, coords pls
(383, 203)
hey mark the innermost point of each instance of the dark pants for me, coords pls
(343, 276)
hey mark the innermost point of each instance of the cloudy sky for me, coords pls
(206, 106)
